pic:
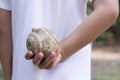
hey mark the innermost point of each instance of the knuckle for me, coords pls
(38, 58)
(52, 55)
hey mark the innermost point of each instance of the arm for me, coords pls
(6, 43)
(104, 15)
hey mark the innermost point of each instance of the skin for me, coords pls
(6, 43)
(104, 15)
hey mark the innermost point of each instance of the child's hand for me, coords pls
(50, 62)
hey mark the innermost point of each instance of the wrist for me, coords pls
(63, 53)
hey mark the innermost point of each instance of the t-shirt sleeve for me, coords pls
(5, 4)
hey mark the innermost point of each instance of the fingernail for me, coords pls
(30, 54)
(41, 54)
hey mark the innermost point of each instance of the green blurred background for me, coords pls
(106, 53)
(111, 36)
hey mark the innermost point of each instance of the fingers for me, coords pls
(54, 63)
(48, 60)
(38, 58)
(29, 55)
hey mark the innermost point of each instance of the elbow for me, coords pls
(113, 14)
(109, 8)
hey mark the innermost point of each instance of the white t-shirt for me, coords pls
(63, 17)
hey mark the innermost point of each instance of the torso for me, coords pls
(63, 17)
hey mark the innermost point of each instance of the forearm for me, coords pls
(5, 54)
(100, 20)
(6, 46)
